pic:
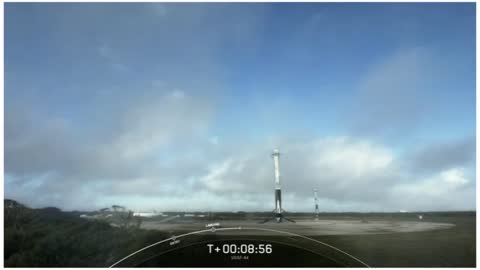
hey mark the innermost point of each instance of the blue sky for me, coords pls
(192, 97)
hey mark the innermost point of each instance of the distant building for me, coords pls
(147, 214)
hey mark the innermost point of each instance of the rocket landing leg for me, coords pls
(279, 217)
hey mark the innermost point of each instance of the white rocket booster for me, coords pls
(278, 211)
(276, 165)
(278, 193)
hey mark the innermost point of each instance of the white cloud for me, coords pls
(348, 158)
(177, 94)
(214, 140)
(455, 177)
(350, 174)
(159, 120)
(144, 164)
(218, 176)
(445, 190)
(105, 51)
(119, 67)
(439, 184)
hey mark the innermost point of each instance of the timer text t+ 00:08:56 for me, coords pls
(240, 249)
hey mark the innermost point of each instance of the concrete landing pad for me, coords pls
(302, 227)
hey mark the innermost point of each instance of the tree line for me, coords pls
(48, 237)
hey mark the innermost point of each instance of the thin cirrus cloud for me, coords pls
(107, 53)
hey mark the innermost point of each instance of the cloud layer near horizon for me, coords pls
(161, 157)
